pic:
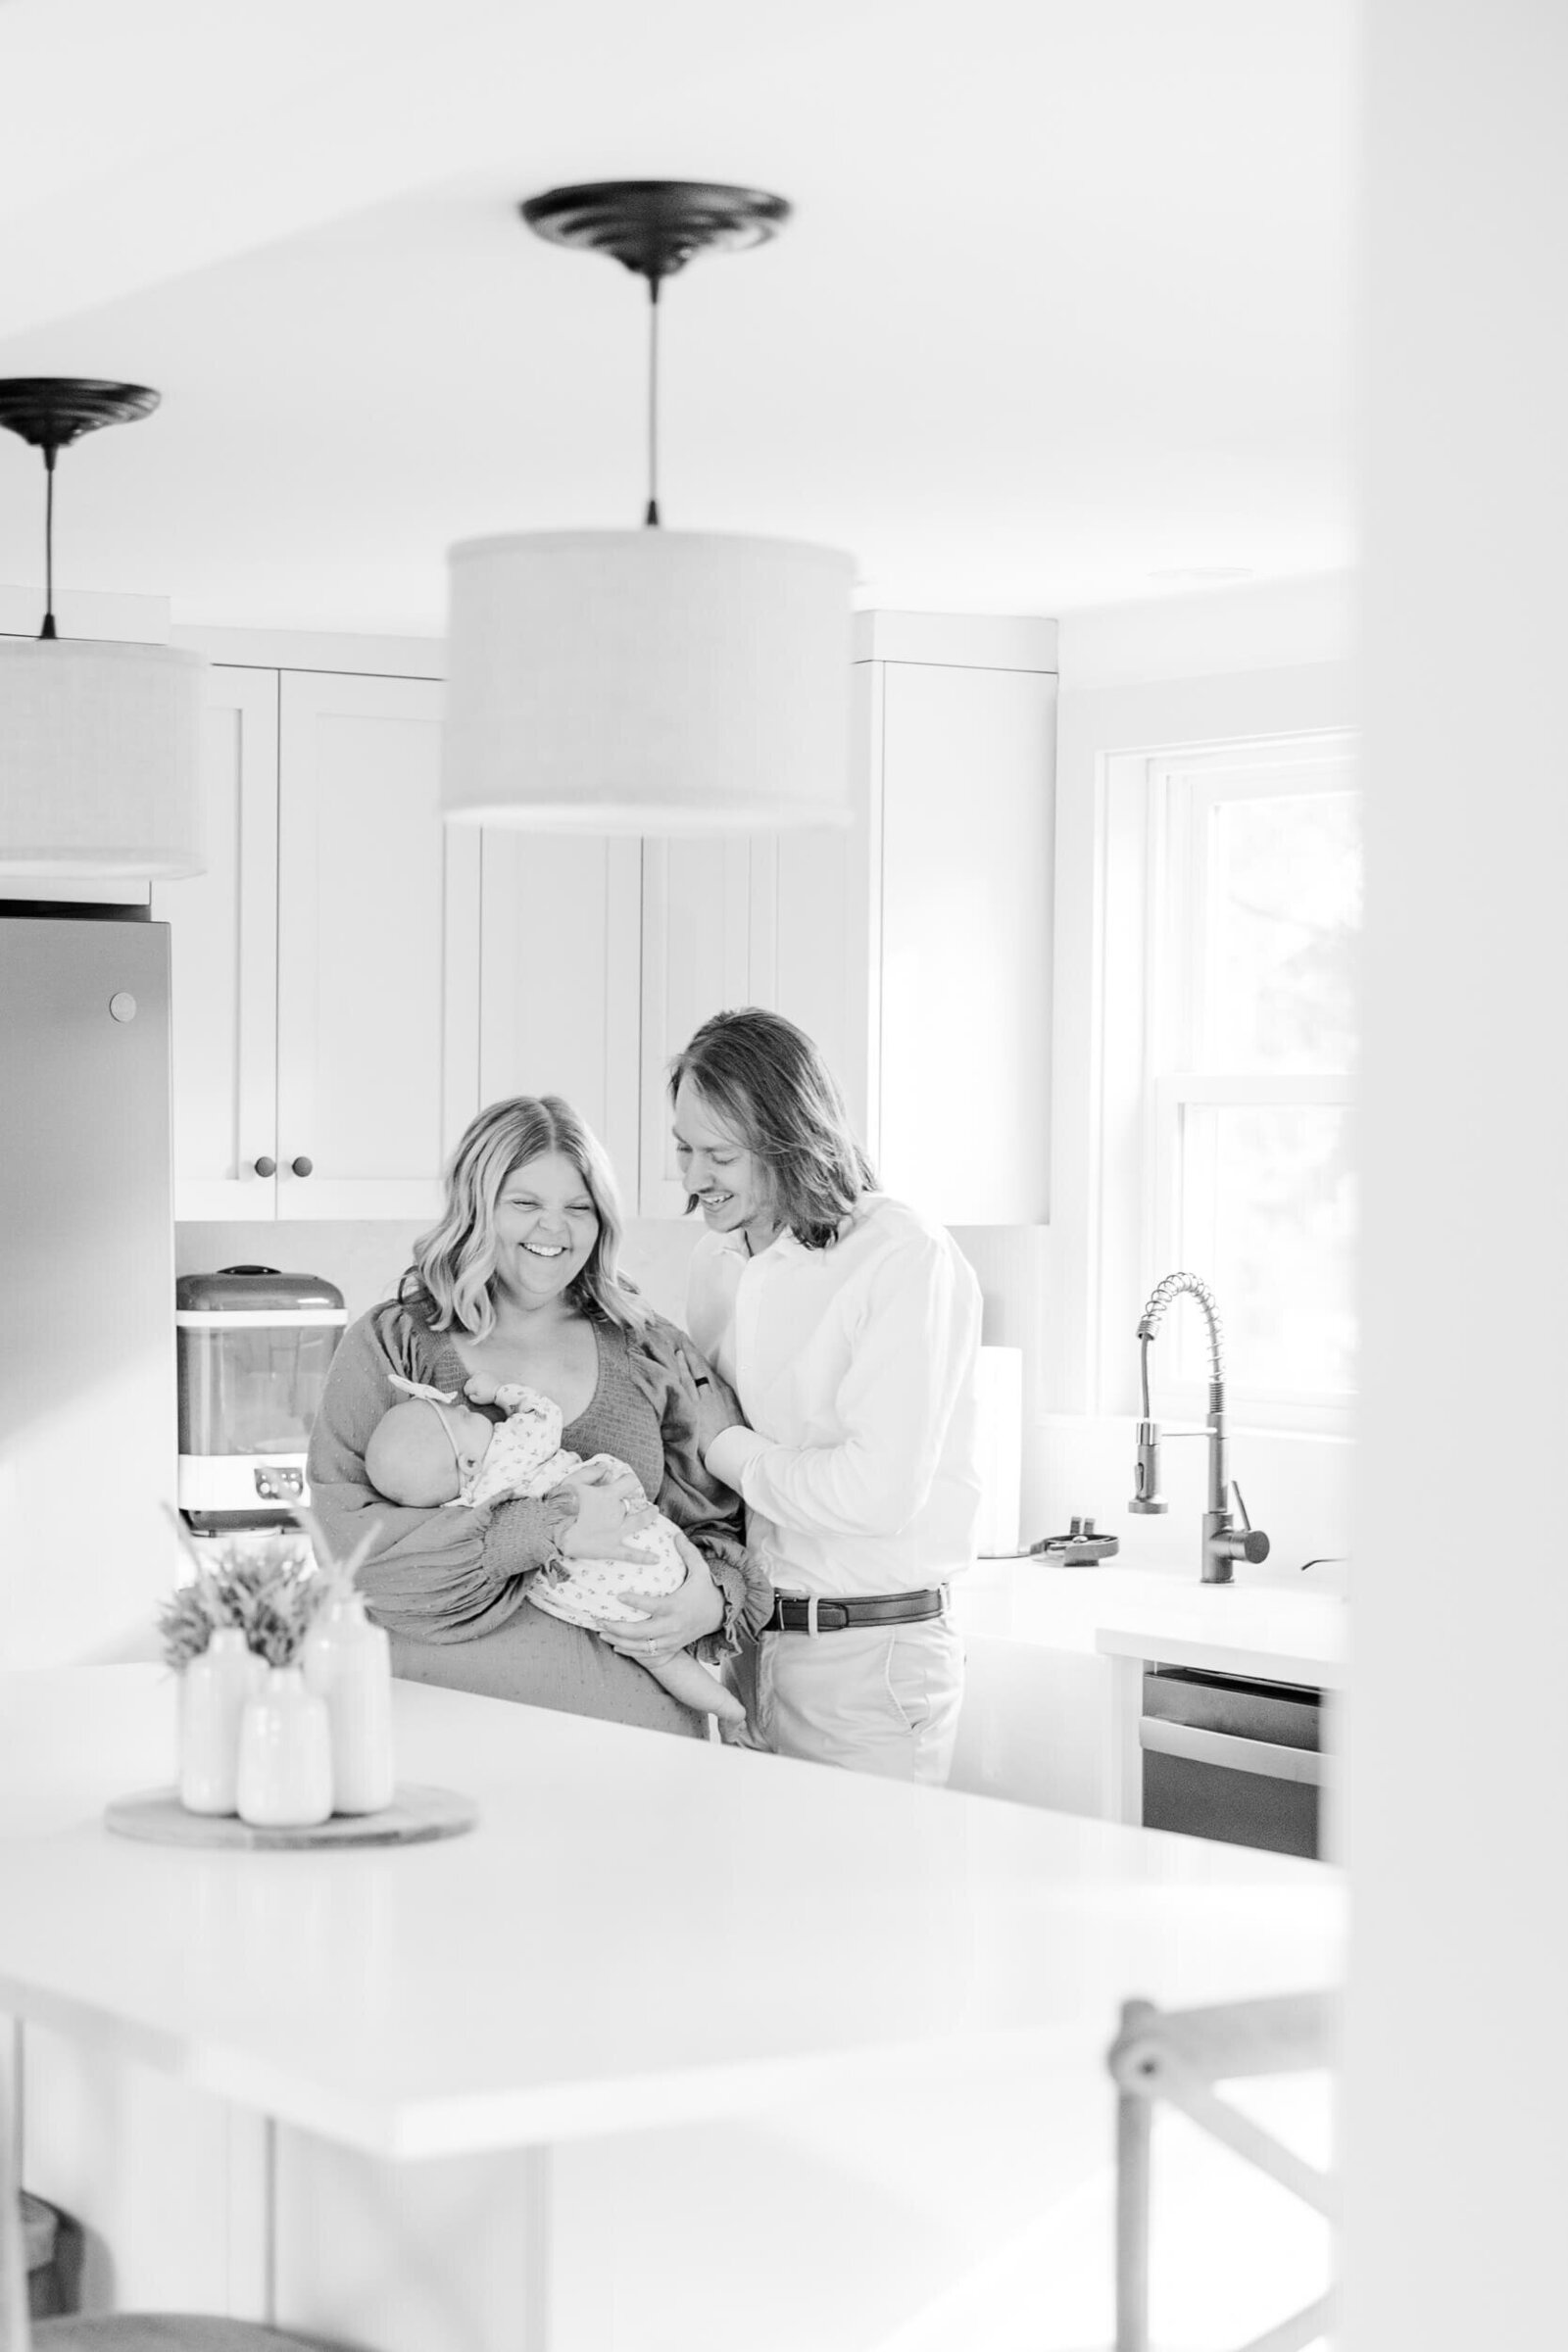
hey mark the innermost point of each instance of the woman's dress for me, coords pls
(450, 1584)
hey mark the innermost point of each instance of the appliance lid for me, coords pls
(261, 1293)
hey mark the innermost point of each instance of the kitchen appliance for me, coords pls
(1080, 1548)
(1232, 1759)
(87, 1257)
(254, 1347)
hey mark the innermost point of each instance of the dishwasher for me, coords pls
(1228, 1758)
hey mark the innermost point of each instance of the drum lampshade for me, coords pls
(648, 681)
(100, 751)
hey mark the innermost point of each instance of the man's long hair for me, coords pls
(767, 1081)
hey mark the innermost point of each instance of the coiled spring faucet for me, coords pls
(1224, 1543)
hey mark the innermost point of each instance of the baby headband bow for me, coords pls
(420, 1389)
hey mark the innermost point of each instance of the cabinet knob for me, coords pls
(265, 1167)
(303, 1165)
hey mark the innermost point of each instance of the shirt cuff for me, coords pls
(731, 1450)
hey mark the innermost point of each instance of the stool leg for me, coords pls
(1133, 2124)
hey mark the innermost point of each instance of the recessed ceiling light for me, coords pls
(1204, 571)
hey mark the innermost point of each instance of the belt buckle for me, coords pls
(805, 1600)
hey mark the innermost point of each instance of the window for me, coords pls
(1245, 1045)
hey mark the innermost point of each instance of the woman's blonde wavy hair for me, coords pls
(767, 1079)
(452, 1278)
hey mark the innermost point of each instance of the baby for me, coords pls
(434, 1449)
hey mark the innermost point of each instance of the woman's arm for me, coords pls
(691, 1398)
(441, 1575)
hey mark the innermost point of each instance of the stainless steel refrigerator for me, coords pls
(87, 1427)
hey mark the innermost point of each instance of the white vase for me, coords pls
(212, 1693)
(285, 1755)
(348, 1662)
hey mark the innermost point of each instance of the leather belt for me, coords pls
(796, 1614)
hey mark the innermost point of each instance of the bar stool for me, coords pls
(1179, 2054)
(127, 2332)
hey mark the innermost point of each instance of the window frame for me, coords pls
(1150, 943)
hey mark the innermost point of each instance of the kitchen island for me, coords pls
(680, 2041)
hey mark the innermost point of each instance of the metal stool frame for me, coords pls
(1179, 2055)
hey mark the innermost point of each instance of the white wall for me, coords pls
(1457, 2072)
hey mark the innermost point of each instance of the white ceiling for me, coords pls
(1065, 310)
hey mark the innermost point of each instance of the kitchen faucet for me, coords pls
(1223, 1541)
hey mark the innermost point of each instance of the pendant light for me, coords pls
(649, 681)
(100, 741)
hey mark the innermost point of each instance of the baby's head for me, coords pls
(422, 1452)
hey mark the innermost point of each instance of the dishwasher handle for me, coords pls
(1232, 1754)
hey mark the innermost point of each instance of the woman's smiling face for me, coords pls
(546, 1226)
(731, 1185)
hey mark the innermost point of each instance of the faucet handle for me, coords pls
(1147, 1497)
(1256, 1547)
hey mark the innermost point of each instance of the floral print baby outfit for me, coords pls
(526, 1457)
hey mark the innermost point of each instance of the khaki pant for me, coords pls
(881, 1698)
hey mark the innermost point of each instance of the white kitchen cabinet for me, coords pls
(959, 717)
(600, 957)
(379, 950)
(710, 944)
(326, 964)
(351, 981)
(561, 978)
(224, 943)
(756, 919)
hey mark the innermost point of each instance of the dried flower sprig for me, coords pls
(341, 1575)
(270, 1590)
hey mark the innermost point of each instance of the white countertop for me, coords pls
(1270, 1633)
(640, 1929)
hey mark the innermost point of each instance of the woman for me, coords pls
(849, 1327)
(518, 1282)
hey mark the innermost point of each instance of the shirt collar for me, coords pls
(735, 1244)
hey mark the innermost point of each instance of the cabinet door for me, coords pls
(561, 970)
(223, 936)
(379, 950)
(965, 861)
(821, 931)
(709, 944)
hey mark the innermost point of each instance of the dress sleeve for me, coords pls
(443, 1575)
(668, 1369)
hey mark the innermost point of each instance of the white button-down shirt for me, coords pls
(855, 1367)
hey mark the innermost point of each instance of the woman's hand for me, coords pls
(715, 1413)
(695, 1608)
(610, 1507)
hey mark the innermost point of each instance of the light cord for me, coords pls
(651, 518)
(49, 629)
